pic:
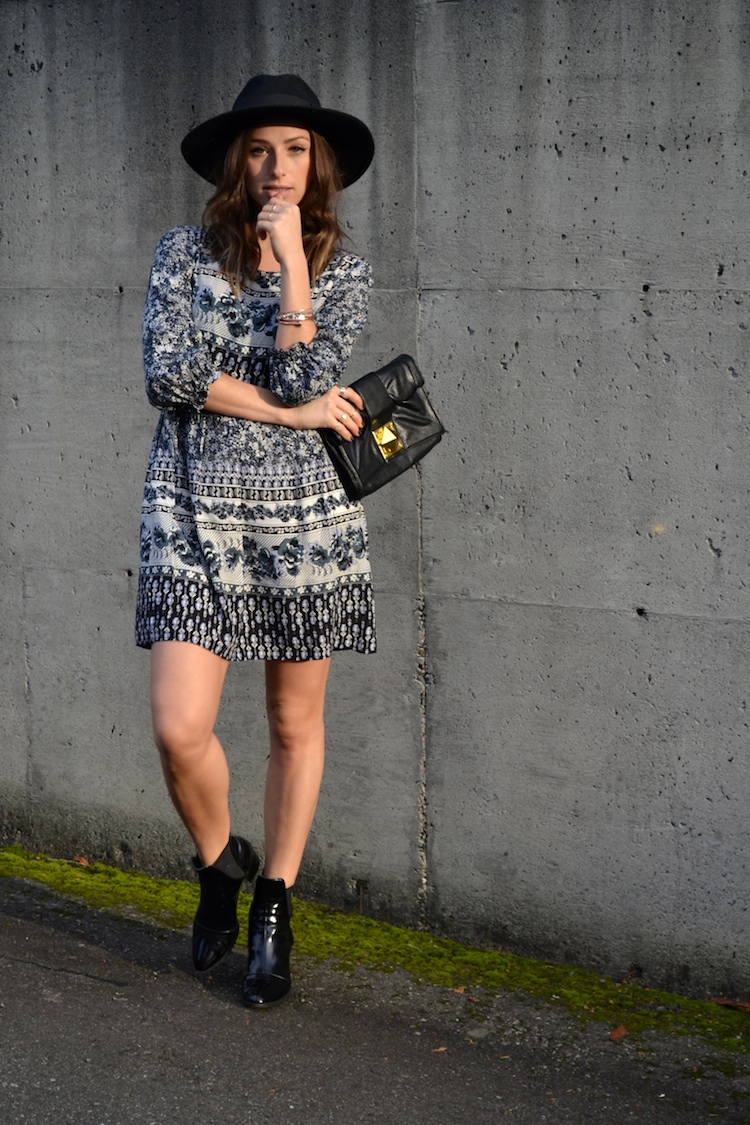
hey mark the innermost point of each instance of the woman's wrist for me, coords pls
(293, 417)
(295, 263)
(295, 317)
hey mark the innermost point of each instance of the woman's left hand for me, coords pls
(282, 223)
(338, 409)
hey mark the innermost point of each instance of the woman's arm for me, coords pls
(279, 227)
(230, 396)
(304, 371)
(309, 358)
(175, 357)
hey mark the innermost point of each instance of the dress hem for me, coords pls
(289, 626)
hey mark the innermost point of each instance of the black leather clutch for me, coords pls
(400, 426)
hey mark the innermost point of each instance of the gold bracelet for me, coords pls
(296, 318)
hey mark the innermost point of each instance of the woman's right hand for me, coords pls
(282, 223)
(338, 409)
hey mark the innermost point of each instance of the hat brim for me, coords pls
(205, 146)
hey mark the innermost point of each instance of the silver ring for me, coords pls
(344, 417)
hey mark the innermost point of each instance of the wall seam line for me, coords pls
(423, 892)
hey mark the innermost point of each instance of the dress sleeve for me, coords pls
(305, 371)
(175, 356)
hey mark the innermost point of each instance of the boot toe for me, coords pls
(262, 991)
(210, 946)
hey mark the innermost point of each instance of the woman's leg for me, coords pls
(186, 687)
(295, 701)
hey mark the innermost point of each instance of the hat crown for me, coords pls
(279, 97)
(276, 90)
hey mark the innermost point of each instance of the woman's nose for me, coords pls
(278, 163)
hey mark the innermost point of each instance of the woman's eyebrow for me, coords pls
(287, 141)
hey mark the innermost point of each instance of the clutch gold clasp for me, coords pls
(387, 440)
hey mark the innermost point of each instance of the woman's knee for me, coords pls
(292, 725)
(295, 703)
(180, 738)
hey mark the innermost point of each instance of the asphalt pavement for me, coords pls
(104, 1022)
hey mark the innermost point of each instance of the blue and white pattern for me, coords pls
(249, 545)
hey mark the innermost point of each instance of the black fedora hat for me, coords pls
(268, 98)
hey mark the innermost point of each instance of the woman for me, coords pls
(250, 549)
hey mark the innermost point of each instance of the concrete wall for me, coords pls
(550, 749)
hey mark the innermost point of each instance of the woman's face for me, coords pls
(278, 165)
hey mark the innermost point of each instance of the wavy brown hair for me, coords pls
(230, 213)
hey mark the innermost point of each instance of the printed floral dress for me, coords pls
(249, 545)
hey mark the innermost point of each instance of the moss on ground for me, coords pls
(351, 941)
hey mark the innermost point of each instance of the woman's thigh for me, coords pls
(186, 686)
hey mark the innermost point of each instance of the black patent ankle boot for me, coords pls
(215, 928)
(270, 943)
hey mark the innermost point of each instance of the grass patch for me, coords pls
(351, 941)
(167, 901)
